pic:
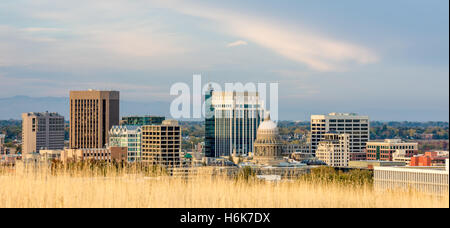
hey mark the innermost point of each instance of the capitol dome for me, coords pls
(267, 132)
(268, 127)
(268, 147)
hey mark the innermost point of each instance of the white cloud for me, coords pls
(117, 33)
(237, 43)
(297, 44)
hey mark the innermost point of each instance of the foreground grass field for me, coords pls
(49, 188)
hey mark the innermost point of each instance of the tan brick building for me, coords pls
(42, 131)
(161, 144)
(117, 154)
(92, 114)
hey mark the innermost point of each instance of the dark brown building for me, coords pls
(119, 154)
(92, 114)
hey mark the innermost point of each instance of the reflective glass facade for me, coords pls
(231, 123)
(130, 137)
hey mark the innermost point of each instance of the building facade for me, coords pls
(142, 120)
(50, 155)
(129, 136)
(231, 123)
(303, 148)
(2, 139)
(370, 164)
(385, 150)
(2, 143)
(334, 150)
(268, 145)
(117, 154)
(431, 158)
(42, 131)
(401, 156)
(210, 136)
(161, 144)
(357, 127)
(92, 114)
(427, 180)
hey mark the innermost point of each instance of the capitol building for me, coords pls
(268, 146)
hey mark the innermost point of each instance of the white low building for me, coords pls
(401, 156)
(334, 150)
(423, 179)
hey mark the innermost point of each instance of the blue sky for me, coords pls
(386, 59)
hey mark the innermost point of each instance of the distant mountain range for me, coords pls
(13, 107)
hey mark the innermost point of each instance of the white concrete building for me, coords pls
(333, 149)
(428, 180)
(357, 127)
(401, 156)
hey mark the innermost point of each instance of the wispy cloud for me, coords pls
(83, 37)
(237, 43)
(297, 44)
(125, 32)
(42, 29)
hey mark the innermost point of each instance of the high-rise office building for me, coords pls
(161, 144)
(142, 120)
(357, 127)
(128, 136)
(42, 131)
(231, 122)
(333, 149)
(92, 114)
(210, 137)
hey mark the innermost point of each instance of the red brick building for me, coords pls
(420, 161)
(428, 159)
(383, 150)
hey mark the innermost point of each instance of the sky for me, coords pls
(385, 59)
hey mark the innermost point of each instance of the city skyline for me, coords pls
(13, 107)
(375, 60)
(184, 104)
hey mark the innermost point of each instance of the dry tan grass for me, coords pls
(39, 188)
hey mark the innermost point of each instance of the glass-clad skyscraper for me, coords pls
(209, 125)
(231, 122)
